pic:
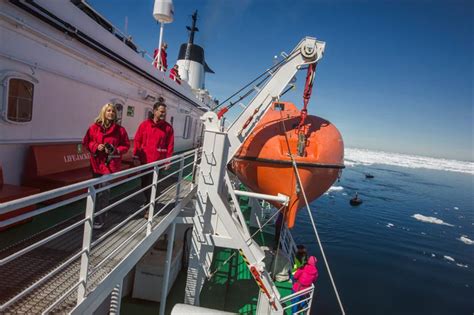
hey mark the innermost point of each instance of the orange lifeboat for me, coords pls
(264, 165)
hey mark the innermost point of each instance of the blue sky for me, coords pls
(396, 75)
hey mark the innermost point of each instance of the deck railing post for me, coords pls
(193, 174)
(151, 208)
(311, 299)
(180, 178)
(166, 276)
(86, 244)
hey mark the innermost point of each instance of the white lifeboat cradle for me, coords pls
(218, 223)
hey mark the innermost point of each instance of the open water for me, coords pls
(408, 249)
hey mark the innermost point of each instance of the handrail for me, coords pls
(304, 301)
(115, 228)
(41, 242)
(37, 198)
(120, 182)
(39, 282)
(83, 254)
(133, 235)
(41, 210)
(121, 200)
(111, 185)
(118, 226)
(293, 295)
(119, 246)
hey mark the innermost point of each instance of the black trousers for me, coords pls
(146, 181)
(101, 200)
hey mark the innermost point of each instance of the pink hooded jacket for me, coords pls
(306, 275)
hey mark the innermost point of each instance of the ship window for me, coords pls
(20, 100)
(187, 127)
(119, 108)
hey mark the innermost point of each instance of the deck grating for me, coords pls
(24, 271)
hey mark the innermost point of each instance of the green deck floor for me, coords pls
(232, 288)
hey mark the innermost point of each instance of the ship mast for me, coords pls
(192, 29)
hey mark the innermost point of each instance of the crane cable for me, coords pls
(267, 73)
(293, 162)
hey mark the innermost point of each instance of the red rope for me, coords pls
(308, 89)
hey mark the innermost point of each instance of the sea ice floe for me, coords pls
(389, 224)
(368, 157)
(423, 233)
(334, 188)
(433, 220)
(448, 258)
(433, 255)
(349, 163)
(461, 265)
(466, 240)
(456, 208)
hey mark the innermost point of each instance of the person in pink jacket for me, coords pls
(303, 278)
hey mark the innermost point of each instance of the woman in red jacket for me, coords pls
(174, 74)
(107, 141)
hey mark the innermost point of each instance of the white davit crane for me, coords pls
(308, 51)
(216, 221)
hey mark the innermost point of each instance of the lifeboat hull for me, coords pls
(264, 165)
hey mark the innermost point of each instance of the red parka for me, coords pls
(153, 141)
(116, 136)
(306, 275)
(163, 57)
(174, 75)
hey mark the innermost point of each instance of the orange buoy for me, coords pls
(264, 165)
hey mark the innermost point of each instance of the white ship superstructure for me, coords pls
(60, 61)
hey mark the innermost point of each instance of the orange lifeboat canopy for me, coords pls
(264, 165)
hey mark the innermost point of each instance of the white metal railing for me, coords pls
(94, 186)
(287, 243)
(299, 302)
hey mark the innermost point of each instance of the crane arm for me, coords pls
(308, 51)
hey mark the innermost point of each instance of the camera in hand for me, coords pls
(109, 148)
